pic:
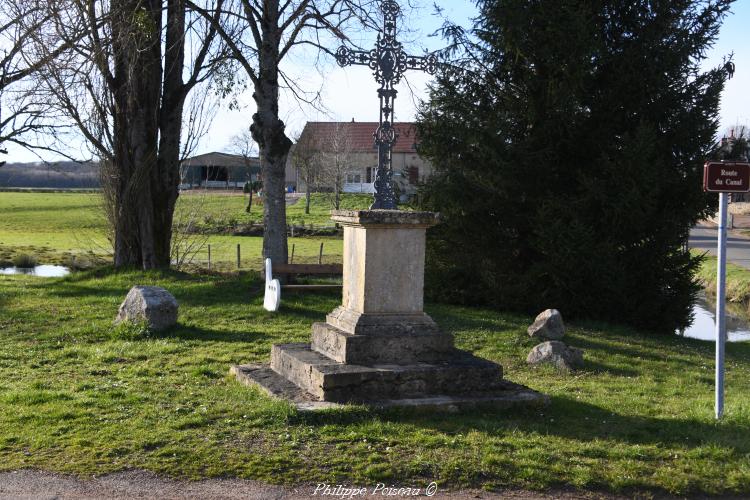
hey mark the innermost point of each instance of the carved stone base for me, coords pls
(379, 347)
(328, 380)
(507, 395)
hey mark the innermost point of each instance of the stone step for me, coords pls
(382, 347)
(508, 395)
(329, 380)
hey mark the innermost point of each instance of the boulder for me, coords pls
(548, 325)
(152, 304)
(556, 353)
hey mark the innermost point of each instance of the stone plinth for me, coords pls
(384, 261)
(379, 347)
(380, 319)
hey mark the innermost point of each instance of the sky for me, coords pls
(351, 93)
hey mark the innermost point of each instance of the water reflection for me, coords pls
(45, 271)
(703, 327)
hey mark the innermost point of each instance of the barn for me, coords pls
(218, 171)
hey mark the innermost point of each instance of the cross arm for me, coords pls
(346, 57)
(428, 64)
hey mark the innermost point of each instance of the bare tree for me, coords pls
(307, 158)
(22, 118)
(122, 84)
(337, 160)
(202, 104)
(261, 34)
(244, 145)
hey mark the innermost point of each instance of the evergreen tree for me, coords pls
(568, 145)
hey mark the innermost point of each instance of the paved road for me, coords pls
(703, 237)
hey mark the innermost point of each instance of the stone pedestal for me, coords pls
(379, 347)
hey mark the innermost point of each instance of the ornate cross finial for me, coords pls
(388, 61)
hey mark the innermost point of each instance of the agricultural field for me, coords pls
(58, 228)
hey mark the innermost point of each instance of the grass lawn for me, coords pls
(320, 208)
(738, 281)
(56, 226)
(222, 210)
(81, 396)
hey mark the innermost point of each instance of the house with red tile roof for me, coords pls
(353, 144)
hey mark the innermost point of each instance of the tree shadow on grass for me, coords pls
(190, 293)
(637, 349)
(565, 417)
(452, 318)
(312, 314)
(190, 333)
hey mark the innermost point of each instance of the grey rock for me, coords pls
(556, 353)
(548, 325)
(152, 304)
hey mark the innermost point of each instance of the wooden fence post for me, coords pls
(238, 257)
(320, 255)
(209, 257)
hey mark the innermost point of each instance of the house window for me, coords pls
(353, 178)
(370, 175)
(413, 175)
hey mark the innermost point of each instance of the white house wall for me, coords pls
(360, 163)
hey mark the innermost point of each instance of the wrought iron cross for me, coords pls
(388, 61)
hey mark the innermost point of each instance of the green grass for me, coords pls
(78, 395)
(738, 281)
(222, 212)
(54, 227)
(321, 206)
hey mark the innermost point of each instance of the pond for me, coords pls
(45, 271)
(703, 327)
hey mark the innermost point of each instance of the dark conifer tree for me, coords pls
(569, 146)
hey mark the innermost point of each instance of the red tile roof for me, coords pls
(361, 134)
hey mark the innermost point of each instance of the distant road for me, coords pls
(703, 237)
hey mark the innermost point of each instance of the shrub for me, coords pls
(564, 179)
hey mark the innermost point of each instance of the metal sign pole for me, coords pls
(720, 304)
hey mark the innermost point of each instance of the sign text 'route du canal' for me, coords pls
(720, 177)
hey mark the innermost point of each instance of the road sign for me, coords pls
(721, 330)
(726, 177)
(723, 178)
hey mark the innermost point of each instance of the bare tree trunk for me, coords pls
(167, 178)
(337, 200)
(268, 131)
(307, 199)
(137, 85)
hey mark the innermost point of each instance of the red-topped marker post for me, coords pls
(723, 178)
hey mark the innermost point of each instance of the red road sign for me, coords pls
(726, 177)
